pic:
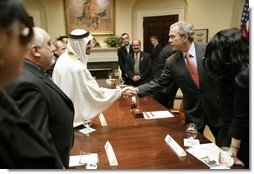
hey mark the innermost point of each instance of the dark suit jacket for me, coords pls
(22, 147)
(155, 55)
(144, 68)
(48, 109)
(165, 53)
(166, 95)
(122, 53)
(198, 103)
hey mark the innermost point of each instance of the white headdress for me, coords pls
(78, 40)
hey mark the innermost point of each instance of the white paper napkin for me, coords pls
(87, 130)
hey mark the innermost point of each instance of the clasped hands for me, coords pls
(128, 91)
(136, 78)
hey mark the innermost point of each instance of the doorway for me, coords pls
(157, 25)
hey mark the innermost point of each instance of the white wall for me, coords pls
(211, 14)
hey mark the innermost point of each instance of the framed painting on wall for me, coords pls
(201, 35)
(95, 16)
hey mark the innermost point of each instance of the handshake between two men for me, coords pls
(128, 91)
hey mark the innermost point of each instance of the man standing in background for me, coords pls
(122, 52)
(138, 65)
(155, 52)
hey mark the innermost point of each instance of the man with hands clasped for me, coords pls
(138, 65)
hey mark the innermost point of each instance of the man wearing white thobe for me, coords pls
(73, 77)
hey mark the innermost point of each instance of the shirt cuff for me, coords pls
(136, 90)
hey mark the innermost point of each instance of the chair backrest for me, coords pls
(178, 106)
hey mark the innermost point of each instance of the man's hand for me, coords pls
(128, 91)
(136, 78)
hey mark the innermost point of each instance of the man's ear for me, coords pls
(186, 36)
(34, 51)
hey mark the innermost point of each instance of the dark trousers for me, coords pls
(213, 129)
(164, 99)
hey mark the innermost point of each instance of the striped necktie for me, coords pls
(136, 65)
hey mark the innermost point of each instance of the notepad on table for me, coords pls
(157, 114)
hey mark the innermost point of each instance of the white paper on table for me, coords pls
(110, 154)
(87, 130)
(189, 142)
(207, 153)
(157, 114)
(102, 120)
(78, 160)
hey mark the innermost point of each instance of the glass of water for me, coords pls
(87, 123)
(191, 131)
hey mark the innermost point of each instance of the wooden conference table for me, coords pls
(138, 143)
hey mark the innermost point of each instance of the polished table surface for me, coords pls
(137, 142)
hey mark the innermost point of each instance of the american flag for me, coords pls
(244, 26)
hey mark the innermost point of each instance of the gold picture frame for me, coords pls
(201, 36)
(95, 16)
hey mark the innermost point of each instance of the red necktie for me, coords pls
(192, 69)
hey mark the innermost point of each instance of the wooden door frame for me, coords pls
(155, 12)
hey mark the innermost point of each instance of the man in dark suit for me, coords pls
(166, 95)
(122, 52)
(199, 93)
(157, 47)
(138, 65)
(44, 104)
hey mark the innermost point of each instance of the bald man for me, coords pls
(40, 100)
(138, 65)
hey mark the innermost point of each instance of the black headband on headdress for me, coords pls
(79, 36)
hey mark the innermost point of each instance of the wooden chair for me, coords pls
(178, 106)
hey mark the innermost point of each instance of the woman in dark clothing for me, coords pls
(21, 146)
(227, 60)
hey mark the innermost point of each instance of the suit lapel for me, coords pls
(201, 70)
(141, 58)
(55, 87)
(124, 51)
(36, 71)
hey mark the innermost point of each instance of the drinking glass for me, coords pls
(191, 131)
(90, 160)
(87, 123)
(225, 158)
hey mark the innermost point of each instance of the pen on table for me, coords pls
(147, 115)
(152, 114)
